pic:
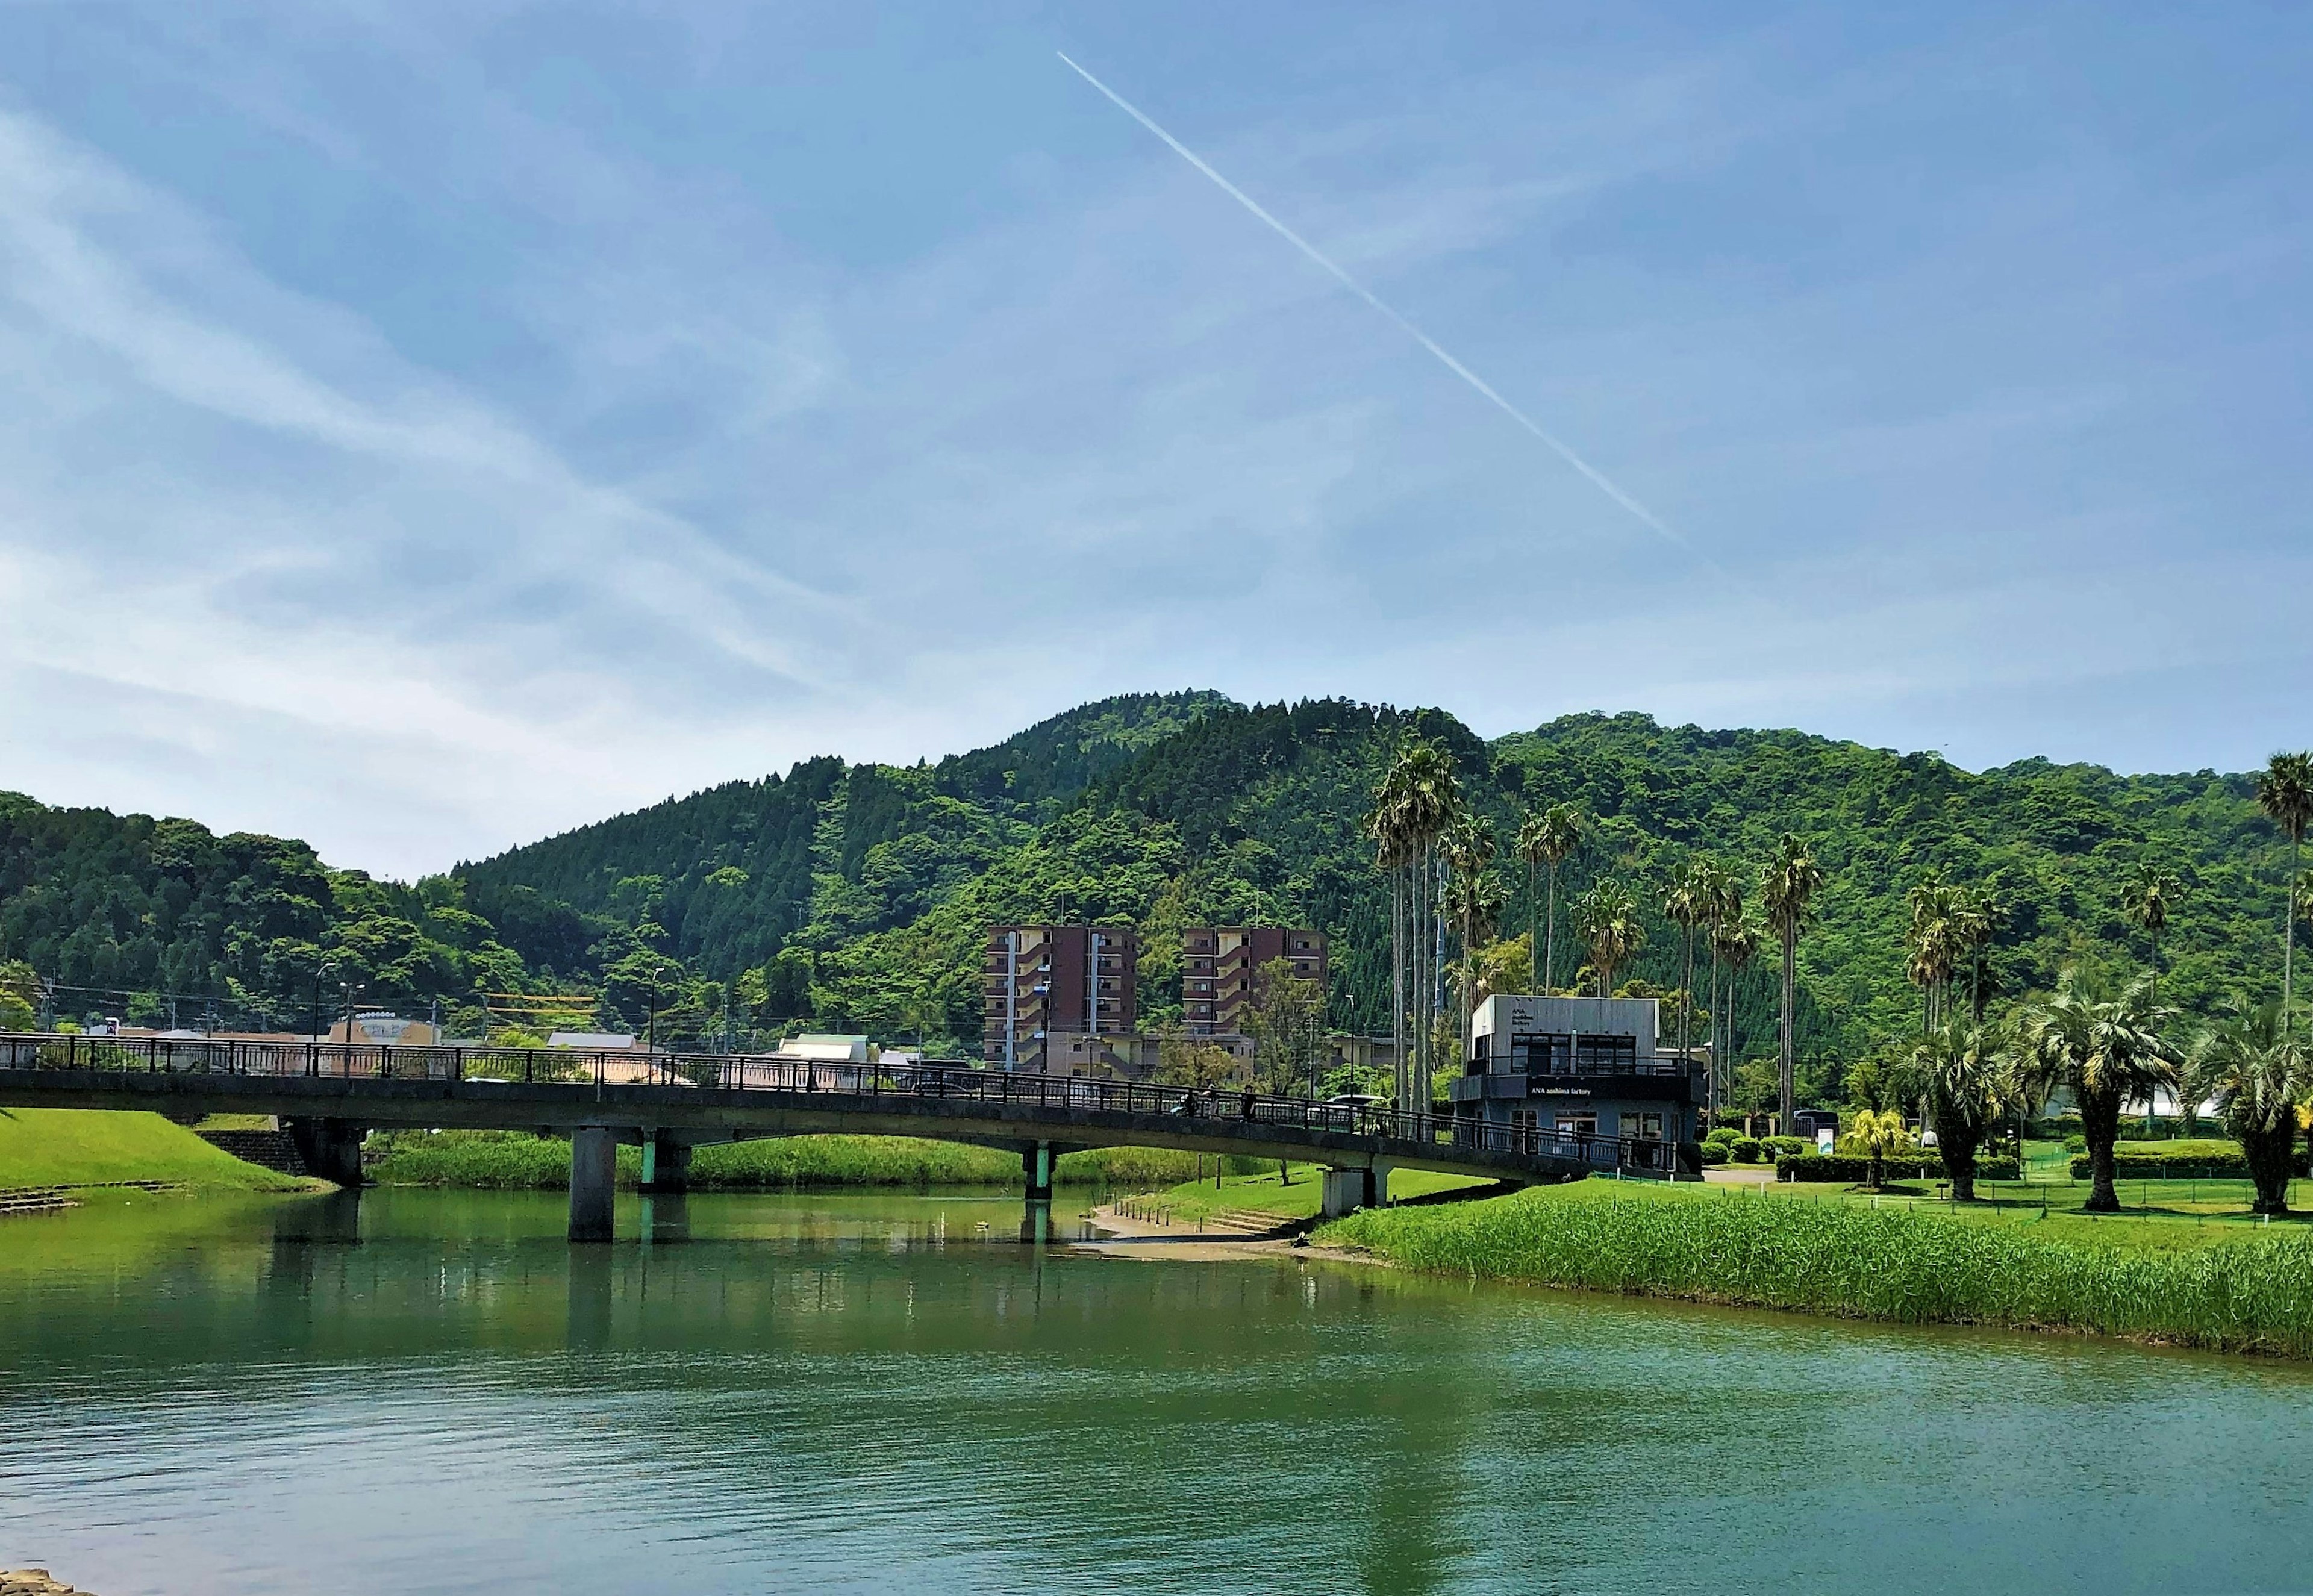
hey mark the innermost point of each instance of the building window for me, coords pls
(1649, 1127)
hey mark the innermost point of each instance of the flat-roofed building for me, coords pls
(1042, 981)
(1586, 1065)
(1220, 967)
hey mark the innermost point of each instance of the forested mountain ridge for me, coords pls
(730, 873)
(857, 896)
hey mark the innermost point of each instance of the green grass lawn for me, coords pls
(2156, 1215)
(91, 1147)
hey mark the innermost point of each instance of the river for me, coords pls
(431, 1392)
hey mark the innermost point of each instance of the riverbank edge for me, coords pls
(2251, 1297)
(92, 1150)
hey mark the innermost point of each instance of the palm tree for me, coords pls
(1734, 942)
(2106, 1048)
(1965, 1075)
(1934, 942)
(1423, 797)
(1607, 917)
(1469, 849)
(1392, 854)
(1787, 887)
(2284, 791)
(1689, 904)
(1976, 921)
(2258, 1074)
(1875, 1133)
(2147, 898)
(1546, 839)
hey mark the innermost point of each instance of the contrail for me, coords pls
(1597, 477)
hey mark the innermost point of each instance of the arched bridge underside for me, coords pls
(330, 1095)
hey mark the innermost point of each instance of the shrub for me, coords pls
(1714, 1153)
(2180, 1161)
(1844, 1169)
(1746, 1150)
(2076, 1144)
(1724, 1134)
(1788, 1145)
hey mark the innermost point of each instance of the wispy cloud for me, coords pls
(439, 438)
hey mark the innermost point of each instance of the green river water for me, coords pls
(423, 1392)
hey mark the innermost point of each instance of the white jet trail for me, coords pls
(1597, 478)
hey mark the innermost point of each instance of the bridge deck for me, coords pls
(722, 1097)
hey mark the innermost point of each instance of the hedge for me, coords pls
(1842, 1169)
(2180, 1161)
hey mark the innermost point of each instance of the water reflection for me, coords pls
(434, 1391)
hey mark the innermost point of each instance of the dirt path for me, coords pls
(1127, 1236)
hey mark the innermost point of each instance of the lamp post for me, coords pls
(320, 971)
(650, 1029)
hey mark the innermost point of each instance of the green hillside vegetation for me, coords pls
(856, 896)
(512, 1161)
(85, 1147)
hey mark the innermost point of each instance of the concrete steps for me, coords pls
(275, 1150)
(35, 1199)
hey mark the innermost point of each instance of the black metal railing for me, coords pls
(486, 1067)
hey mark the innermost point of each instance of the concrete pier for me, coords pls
(331, 1148)
(1036, 1161)
(1347, 1190)
(593, 1174)
(666, 1163)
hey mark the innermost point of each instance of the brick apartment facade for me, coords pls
(1043, 982)
(1219, 964)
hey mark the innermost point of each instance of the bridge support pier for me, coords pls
(666, 1163)
(1347, 1190)
(593, 1172)
(331, 1148)
(1036, 1161)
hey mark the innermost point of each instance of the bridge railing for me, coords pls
(486, 1067)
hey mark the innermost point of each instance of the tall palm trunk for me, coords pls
(1397, 979)
(1711, 1083)
(1786, 1085)
(1533, 934)
(1550, 932)
(1687, 996)
(2289, 944)
(2100, 1128)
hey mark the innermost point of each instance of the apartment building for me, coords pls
(1043, 982)
(1221, 963)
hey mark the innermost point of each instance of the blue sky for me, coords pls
(423, 428)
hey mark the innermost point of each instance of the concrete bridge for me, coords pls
(330, 1094)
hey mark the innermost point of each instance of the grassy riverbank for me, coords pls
(2242, 1289)
(87, 1147)
(516, 1160)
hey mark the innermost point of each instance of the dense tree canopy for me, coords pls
(857, 896)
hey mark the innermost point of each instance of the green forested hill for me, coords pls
(857, 896)
(729, 875)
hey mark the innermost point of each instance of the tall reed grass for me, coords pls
(1846, 1259)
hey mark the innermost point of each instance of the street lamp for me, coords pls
(650, 1030)
(320, 971)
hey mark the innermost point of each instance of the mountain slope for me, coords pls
(857, 896)
(729, 874)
